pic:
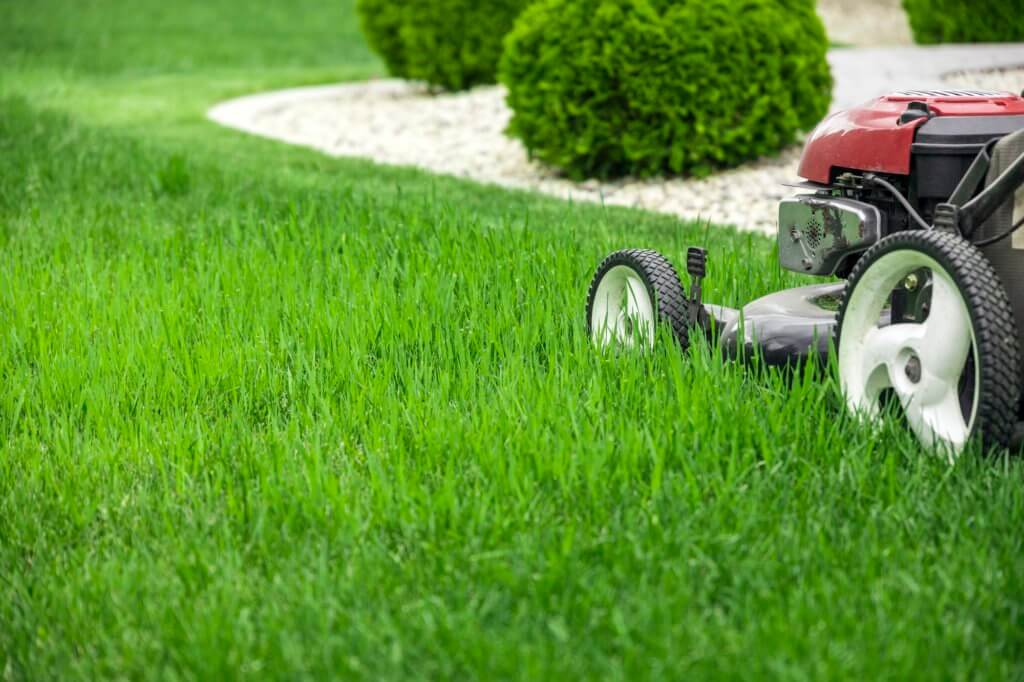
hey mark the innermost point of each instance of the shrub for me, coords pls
(641, 87)
(453, 44)
(966, 21)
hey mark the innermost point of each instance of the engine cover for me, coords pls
(817, 232)
(878, 135)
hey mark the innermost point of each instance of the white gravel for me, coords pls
(399, 123)
(866, 22)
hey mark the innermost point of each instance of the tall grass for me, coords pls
(268, 413)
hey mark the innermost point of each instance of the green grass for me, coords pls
(266, 413)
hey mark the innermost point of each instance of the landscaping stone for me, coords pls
(400, 123)
(866, 22)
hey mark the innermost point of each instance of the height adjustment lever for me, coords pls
(696, 266)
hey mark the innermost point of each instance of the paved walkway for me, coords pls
(863, 73)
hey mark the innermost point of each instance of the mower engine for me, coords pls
(922, 143)
(915, 200)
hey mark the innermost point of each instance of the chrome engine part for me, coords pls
(817, 232)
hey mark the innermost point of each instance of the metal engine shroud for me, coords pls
(817, 232)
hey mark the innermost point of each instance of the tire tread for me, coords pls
(662, 281)
(995, 327)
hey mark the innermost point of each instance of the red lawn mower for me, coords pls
(915, 200)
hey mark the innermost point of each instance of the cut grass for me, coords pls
(269, 413)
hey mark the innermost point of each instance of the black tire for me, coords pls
(662, 282)
(995, 330)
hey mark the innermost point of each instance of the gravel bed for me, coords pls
(400, 123)
(866, 22)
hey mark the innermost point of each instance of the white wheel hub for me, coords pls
(921, 362)
(623, 312)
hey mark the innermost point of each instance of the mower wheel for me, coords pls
(952, 359)
(631, 293)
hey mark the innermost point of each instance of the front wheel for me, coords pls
(925, 319)
(632, 292)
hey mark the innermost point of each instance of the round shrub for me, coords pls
(453, 44)
(966, 21)
(641, 87)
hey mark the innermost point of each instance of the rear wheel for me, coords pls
(632, 292)
(950, 356)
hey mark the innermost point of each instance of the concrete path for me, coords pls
(863, 73)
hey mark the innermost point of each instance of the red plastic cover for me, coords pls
(871, 138)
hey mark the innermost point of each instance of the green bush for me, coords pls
(642, 87)
(453, 44)
(966, 21)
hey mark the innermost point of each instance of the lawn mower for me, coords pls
(910, 208)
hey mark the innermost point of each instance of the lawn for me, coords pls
(268, 413)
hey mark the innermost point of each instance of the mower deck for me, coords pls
(784, 328)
